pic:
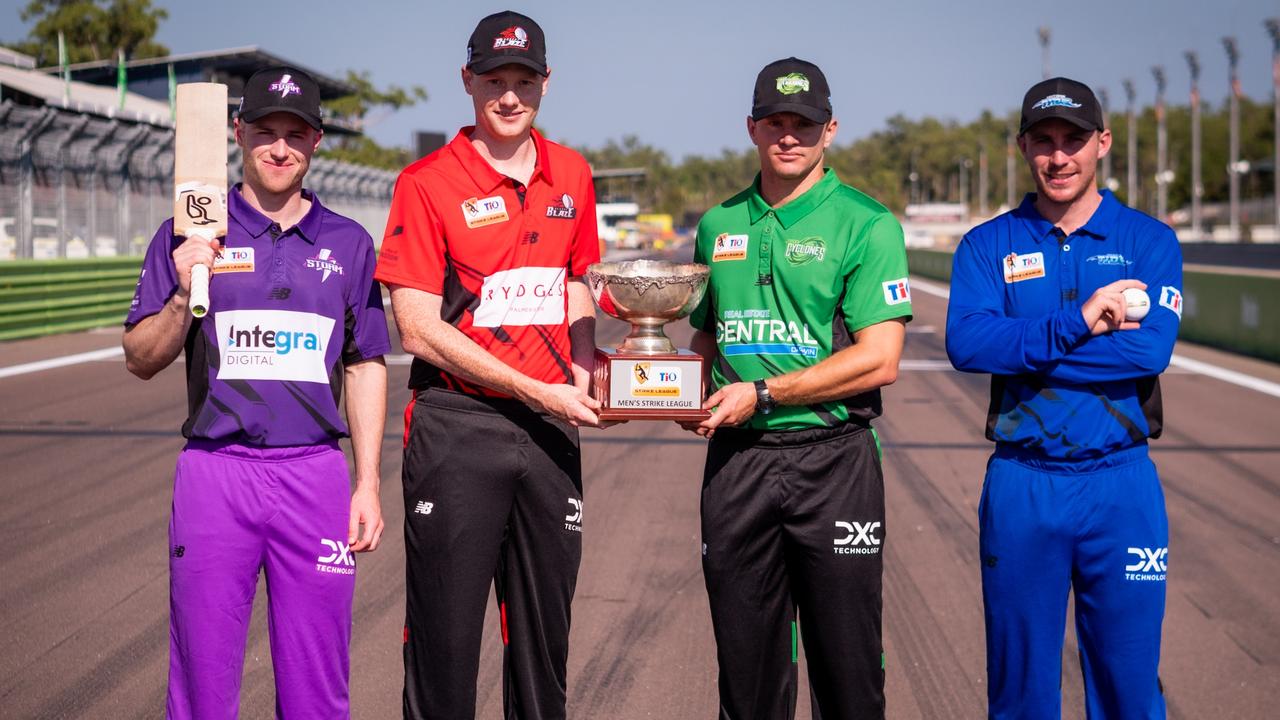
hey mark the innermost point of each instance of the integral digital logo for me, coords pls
(339, 560)
(513, 38)
(858, 539)
(562, 208)
(285, 86)
(1150, 564)
(573, 521)
(793, 83)
(423, 507)
(273, 345)
(323, 262)
(803, 252)
(1057, 100)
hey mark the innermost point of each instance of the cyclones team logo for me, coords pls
(513, 38)
(562, 207)
(792, 83)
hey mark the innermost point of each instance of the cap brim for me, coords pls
(805, 111)
(481, 67)
(1074, 119)
(259, 113)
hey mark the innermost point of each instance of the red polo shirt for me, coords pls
(497, 252)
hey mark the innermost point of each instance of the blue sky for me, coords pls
(679, 74)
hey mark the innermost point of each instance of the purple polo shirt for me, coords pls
(287, 311)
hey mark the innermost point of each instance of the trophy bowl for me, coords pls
(648, 294)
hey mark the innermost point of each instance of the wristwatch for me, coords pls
(764, 401)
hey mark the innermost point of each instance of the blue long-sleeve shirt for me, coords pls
(1017, 288)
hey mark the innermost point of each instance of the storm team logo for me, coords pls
(513, 38)
(285, 86)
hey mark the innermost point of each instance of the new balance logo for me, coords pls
(1148, 564)
(573, 521)
(859, 538)
(340, 560)
(424, 507)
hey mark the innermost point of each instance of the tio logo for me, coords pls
(573, 521)
(859, 539)
(668, 377)
(340, 560)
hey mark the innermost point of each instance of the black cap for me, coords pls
(793, 86)
(281, 89)
(507, 38)
(1061, 98)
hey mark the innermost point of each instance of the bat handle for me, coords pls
(199, 290)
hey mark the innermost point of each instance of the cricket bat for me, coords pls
(200, 174)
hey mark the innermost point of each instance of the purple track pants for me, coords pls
(239, 510)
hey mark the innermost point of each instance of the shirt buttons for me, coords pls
(279, 261)
(1066, 248)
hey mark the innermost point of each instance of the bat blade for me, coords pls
(200, 174)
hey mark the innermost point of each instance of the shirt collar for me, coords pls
(485, 177)
(797, 209)
(1099, 224)
(255, 223)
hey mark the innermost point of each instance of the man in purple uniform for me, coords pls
(262, 484)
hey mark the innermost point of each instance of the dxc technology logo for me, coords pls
(859, 539)
(340, 560)
(1150, 564)
(573, 521)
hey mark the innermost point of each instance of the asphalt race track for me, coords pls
(87, 452)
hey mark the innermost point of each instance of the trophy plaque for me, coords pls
(647, 377)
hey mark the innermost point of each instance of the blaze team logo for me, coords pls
(336, 558)
(562, 208)
(285, 86)
(859, 538)
(513, 38)
(573, 521)
(1057, 100)
(1172, 299)
(1149, 564)
(897, 291)
(323, 262)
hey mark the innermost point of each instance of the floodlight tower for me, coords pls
(1163, 174)
(1131, 190)
(1234, 166)
(1197, 186)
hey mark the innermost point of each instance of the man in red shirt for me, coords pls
(485, 245)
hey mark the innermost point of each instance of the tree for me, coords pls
(356, 110)
(92, 29)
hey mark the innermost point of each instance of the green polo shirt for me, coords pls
(792, 285)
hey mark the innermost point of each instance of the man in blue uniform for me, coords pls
(262, 486)
(1071, 499)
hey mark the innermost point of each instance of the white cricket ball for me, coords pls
(1136, 304)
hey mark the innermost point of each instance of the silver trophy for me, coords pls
(647, 377)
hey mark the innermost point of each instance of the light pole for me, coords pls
(1163, 175)
(1010, 186)
(1105, 98)
(1131, 190)
(1233, 162)
(963, 164)
(1273, 29)
(1043, 33)
(1197, 186)
(982, 179)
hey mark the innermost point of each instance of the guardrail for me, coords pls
(43, 297)
(1230, 308)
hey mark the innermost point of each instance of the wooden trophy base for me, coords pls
(633, 386)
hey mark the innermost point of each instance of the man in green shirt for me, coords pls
(803, 322)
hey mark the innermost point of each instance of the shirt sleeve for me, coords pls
(702, 318)
(876, 283)
(1142, 352)
(585, 250)
(413, 248)
(981, 338)
(366, 335)
(158, 280)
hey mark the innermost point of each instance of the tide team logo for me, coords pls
(285, 86)
(729, 247)
(562, 208)
(1056, 100)
(859, 538)
(573, 521)
(1172, 299)
(897, 291)
(339, 560)
(323, 262)
(1151, 564)
(513, 38)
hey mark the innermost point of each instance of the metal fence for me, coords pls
(75, 185)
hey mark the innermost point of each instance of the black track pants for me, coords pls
(794, 522)
(493, 493)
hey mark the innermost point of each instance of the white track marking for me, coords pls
(40, 365)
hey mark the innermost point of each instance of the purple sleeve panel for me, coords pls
(158, 280)
(366, 323)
